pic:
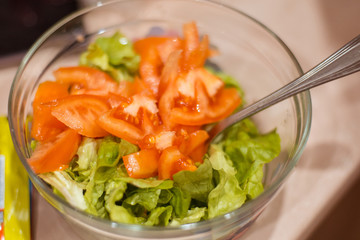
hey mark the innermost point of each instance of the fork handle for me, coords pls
(343, 62)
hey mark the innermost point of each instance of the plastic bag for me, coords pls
(14, 190)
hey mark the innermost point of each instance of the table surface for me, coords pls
(313, 29)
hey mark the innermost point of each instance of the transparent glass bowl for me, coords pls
(250, 52)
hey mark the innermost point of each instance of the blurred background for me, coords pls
(322, 198)
(23, 21)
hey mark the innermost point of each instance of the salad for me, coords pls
(123, 135)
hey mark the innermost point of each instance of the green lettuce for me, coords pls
(231, 174)
(67, 188)
(159, 216)
(114, 55)
(227, 195)
(193, 215)
(198, 183)
(180, 202)
(249, 151)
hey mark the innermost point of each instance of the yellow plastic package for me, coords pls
(14, 190)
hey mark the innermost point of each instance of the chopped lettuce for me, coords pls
(193, 215)
(198, 183)
(180, 202)
(227, 195)
(66, 187)
(249, 151)
(159, 216)
(114, 55)
(230, 175)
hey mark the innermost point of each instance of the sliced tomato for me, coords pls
(191, 38)
(132, 119)
(142, 164)
(89, 77)
(198, 56)
(90, 81)
(151, 62)
(170, 72)
(56, 154)
(116, 100)
(150, 69)
(225, 103)
(166, 48)
(120, 128)
(195, 52)
(49, 91)
(154, 53)
(192, 141)
(141, 46)
(166, 104)
(44, 125)
(191, 111)
(172, 161)
(123, 88)
(150, 123)
(211, 83)
(211, 103)
(197, 155)
(79, 112)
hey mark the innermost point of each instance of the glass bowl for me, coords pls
(249, 51)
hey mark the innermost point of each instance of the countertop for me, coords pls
(313, 29)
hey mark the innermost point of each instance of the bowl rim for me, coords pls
(301, 97)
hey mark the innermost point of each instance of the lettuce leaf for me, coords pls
(227, 195)
(180, 202)
(114, 55)
(68, 188)
(198, 183)
(231, 174)
(159, 216)
(115, 191)
(87, 154)
(193, 215)
(249, 151)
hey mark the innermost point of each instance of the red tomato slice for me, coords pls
(79, 112)
(90, 81)
(152, 59)
(142, 164)
(143, 45)
(193, 141)
(150, 69)
(55, 154)
(225, 103)
(149, 122)
(132, 119)
(120, 128)
(166, 104)
(198, 153)
(197, 57)
(172, 161)
(191, 38)
(154, 53)
(170, 72)
(50, 91)
(88, 77)
(208, 110)
(168, 47)
(195, 52)
(44, 125)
